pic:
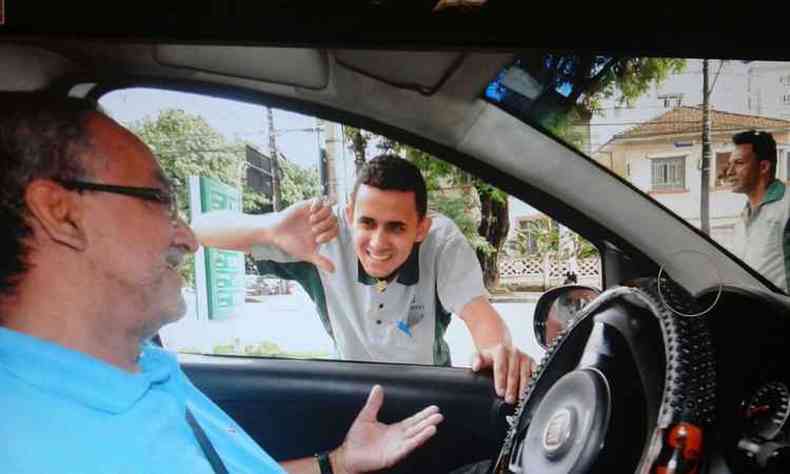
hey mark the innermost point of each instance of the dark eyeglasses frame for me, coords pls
(161, 196)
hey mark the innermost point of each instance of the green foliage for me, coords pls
(267, 349)
(298, 183)
(546, 235)
(624, 79)
(186, 145)
(358, 140)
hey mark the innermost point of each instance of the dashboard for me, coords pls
(751, 339)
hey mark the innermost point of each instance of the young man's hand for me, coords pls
(303, 227)
(512, 369)
(371, 445)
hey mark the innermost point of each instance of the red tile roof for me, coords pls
(685, 119)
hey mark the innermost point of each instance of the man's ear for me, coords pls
(423, 226)
(765, 168)
(57, 211)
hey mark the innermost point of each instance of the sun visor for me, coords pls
(422, 71)
(308, 68)
(33, 68)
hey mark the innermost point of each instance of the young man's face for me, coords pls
(385, 226)
(745, 169)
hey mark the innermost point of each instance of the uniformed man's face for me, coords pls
(385, 226)
(744, 169)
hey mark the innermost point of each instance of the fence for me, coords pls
(547, 271)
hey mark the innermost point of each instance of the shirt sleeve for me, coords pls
(459, 277)
(270, 252)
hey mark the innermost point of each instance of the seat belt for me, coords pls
(205, 444)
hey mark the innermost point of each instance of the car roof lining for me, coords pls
(300, 67)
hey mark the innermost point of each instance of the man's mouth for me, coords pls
(174, 259)
(379, 257)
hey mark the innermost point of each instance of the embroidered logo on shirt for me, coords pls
(416, 314)
(404, 326)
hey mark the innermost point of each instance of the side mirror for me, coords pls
(557, 308)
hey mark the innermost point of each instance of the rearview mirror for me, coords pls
(557, 308)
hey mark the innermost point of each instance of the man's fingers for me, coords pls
(421, 415)
(323, 263)
(326, 236)
(513, 373)
(319, 213)
(324, 226)
(407, 446)
(483, 359)
(526, 374)
(500, 359)
(370, 411)
(315, 204)
(416, 429)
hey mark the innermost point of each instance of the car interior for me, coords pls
(672, 362)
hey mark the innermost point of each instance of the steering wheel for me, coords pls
(628, 387)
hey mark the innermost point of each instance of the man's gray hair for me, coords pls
(41, 137)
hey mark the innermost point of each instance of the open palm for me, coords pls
(371, 445)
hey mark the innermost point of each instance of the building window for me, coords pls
(786, 99)
(785, 80)
(722, 163)
(669, 173)
(671, 100)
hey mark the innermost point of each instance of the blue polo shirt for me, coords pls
(62, 411)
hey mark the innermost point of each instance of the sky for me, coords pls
(233, 119)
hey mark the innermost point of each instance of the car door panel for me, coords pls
(295, 408)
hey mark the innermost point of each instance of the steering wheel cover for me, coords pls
(689, 381)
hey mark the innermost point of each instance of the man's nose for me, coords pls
(185, 237)
(378, 238)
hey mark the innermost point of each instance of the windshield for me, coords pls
(708, 139)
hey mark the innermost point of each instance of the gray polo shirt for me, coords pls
(406, 321)
(762, 235)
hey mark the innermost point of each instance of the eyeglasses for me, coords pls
(161, 196)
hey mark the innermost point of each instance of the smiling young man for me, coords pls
(392, 277)
(762, 235)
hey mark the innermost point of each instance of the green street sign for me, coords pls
(224, 269)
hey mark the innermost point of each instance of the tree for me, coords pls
(358, 144)
(575, 86)
(298, 183)
(186, 145)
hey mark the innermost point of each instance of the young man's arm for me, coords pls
(371, 445)
(512, 368)
(298, 231)
(460, 289)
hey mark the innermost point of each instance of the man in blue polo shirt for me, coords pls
(92, 243)
(390, 274)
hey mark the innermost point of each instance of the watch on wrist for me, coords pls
(324, 465)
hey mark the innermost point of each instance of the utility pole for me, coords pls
(330, 145)
(276, 202)
(706, 153)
